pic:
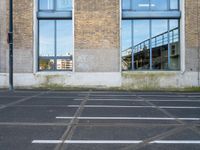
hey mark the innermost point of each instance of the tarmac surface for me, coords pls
(99, 120)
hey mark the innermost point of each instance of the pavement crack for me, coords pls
(73, 124)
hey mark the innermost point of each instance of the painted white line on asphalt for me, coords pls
(86, 142)
(111, 106)
(175, 142)
(114, 142)
(137, 100)
(129, 118)
(46, 141)
(115, 106)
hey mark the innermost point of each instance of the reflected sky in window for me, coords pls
(64, 38)
(159, 4)
(126, 34)
(63, 4)
(140, 4)
(46, 37)
(141, 31)
(159, 27)
(46, 4)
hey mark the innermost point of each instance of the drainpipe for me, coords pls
(10, 41)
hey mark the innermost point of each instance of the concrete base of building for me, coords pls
(62, 79)
(125, 80)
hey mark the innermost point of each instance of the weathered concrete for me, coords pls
(97, 36)
(159, 80)
(3, 37)
(63, 79)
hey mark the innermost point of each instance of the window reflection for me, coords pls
(63, 4)
(159, 4)
(126, 45)
(64, 38)
(46, 64)
(174, 45)
(55, 42)
(146, 5)
(140, 4)
(46, 37)
(159, 44)
(64, 64)
(174, 4)
(163, 44)
(46, 4)
(141, 38)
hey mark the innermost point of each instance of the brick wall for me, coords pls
(97, 35)
(192, 8)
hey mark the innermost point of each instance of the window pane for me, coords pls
(46, 64)
(46, 38)
(174, 45)
(159, 4)
(126, 4)
(64, 64)
(64, 37)
(46, 4)
(141, 44)
(126, 45)
(140, 4)
(64, 4)
(174, 4)
(159, 44)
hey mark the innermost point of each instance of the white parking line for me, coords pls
(115, 106)
(115, 142)
(129, 118)
(175, 142)
(135, 100)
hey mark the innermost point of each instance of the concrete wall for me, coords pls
(97, 35)
(3, 37)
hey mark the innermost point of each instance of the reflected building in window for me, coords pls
(148, 43)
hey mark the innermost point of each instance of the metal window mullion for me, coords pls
(132, 35)
(150, 44)
(169, 49)
(168, 5)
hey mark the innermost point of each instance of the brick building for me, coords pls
(133, 44)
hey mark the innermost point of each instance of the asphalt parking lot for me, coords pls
(99, 120)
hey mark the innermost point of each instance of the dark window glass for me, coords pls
(174, 45)
(140, 4)
(141, 48)
(47, 38)
(159, 43)
(174, 4)
(126, 44)
(63, 4)
(46, 4)
(159, 4)
(64, 38)
(46, 64)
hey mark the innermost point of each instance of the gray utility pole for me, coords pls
(10, 41)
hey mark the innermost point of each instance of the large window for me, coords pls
(146, 5)
(148, 43)
(55, 37)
